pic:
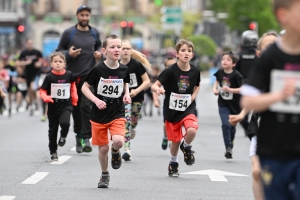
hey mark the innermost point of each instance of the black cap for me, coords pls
(83, 8)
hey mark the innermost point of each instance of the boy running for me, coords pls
(181, 84)
(227, 87)
(59, 91)
(139, 81)
(278, 139)
(109, 80)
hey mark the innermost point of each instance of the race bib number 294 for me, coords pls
(278, 80)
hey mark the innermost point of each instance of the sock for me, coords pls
(174, 159)
(186, 144)
(113, 150)
(105, 173)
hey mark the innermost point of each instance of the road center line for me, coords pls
(73, 149)
(7, 197)
(35, 178)
(61, 160)
(218, 178)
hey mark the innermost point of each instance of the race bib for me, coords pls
(22, 86)
(180, 102)
(60, 90)
(112, 88)
(278, 79)
(225, 95)
(133, 81)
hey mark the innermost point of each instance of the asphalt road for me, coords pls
(24, 154)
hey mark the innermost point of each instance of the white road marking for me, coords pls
(215, 175)
(7, 197)
(35, 178)
(73, 149)
(61, 160)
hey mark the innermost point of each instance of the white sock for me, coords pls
(186, 144)
(174, 159)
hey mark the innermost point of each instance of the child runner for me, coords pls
(20, 82)
(277, 72)
(109, 80)
(139, 81)
(59, 91)
(265, 41)
(181, 84)
(168, 62)
(227, 87)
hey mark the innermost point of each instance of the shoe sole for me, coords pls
(102, 186)
(87, 149)
(174, 175)
(79, 150)
(126, 156)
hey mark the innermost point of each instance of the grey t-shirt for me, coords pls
(88, 41)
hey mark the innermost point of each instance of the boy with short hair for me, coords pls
(278, 139)
(227, 87)
(181, 84)
(109, 80)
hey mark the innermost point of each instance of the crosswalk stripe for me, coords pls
(7, 197)
(35, 178)
(61, 160)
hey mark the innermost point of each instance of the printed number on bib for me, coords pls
(60, 90)
(225, 95)
(179, 102)
(278, 80)
(133, 81)
(112, 88)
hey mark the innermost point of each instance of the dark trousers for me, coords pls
(228, 130)
(280, 179)
(62, 119)
(81, 113)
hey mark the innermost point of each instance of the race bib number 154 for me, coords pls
(179, 102)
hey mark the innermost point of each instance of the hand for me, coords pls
(100, 104)
(3, 95)
(157, 104)
(28, 62)
(74, 53)
(133, 93)
(226, 88)
(127, 99)
(288, 90)
(48, 99)
(38, 64)
(234, 119)
(160, 91)
(97, 55)
(216, 92)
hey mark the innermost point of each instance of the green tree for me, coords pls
(242, 12)
(189, 22)
(204, 45)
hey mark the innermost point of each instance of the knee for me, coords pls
(226, 126)
(65, 124)
(118, 144)
(191, 131)
(103, 149)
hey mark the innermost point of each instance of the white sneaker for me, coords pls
(126, 154)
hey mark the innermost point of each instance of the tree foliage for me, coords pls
(242, 12)
(204, 45)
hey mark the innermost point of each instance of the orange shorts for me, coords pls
(174, 130)
(100, 131)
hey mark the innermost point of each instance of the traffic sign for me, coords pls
(171, 10)
(170, 20)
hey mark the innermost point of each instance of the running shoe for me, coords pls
(173, 169)
(228, 153)
(126, 154)
(104, 181)
(61, 141)
(188, 153)
(86, 145)
(78, 144)
(116, 160)
(54, 157)
(164, 144)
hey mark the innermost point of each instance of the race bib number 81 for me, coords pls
(278, 79)
(179, 102)
(112, 88)
(60, 90)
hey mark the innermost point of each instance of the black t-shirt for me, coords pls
(278, 135)
(174, 80)
(136, 70)
(34, 55)
(245, 64)
(107, 84)
(232, 80)
(60, 81)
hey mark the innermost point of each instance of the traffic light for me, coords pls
(253, 26)
(130, 27)
(21, 28)
(127, 27)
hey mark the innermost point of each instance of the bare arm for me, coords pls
(195, 92)
(216, 84)
(143, 86)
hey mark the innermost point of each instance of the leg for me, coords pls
(232, 135)
(103, 159)
(224, 113)
(64, 121)
(135, 112)
(53, 129)
(117, 129)
(126, 154)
